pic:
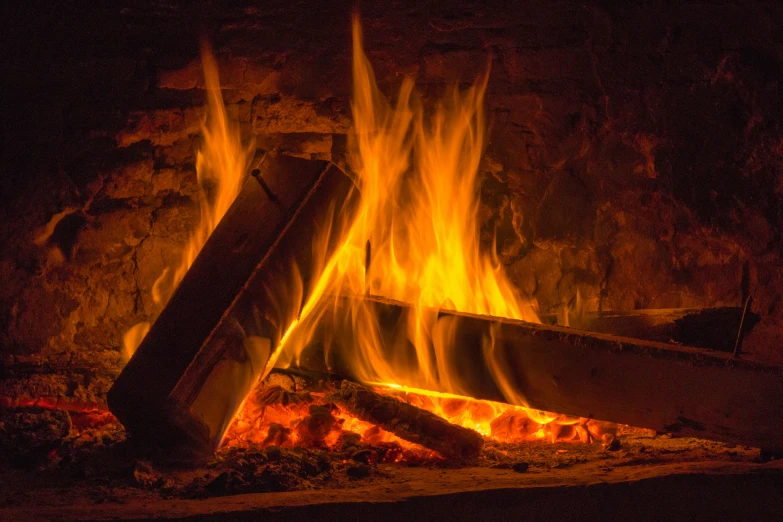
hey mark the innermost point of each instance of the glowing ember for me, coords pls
(273, 416)
(504, 422)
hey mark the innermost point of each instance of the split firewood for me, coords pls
(408, 422)
(208, 346)
(669, 388)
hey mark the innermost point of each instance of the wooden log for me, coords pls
(670, 388)
(712, 328)
(407, 421)
(205, 350)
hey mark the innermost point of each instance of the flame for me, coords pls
(414, 237)
(221, 164)
(133, 337)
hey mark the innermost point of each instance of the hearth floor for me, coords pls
(648, 477)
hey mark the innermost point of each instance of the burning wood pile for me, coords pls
(337, 320)
(378, 277)
(275, 415)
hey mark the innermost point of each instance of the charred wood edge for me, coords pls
(154, 394)
(407, 421)
(713, 328)
(747, 299)
(669, 388)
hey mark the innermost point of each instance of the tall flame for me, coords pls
(415, 234)
(221, 164)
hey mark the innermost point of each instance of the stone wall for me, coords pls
(635, 151)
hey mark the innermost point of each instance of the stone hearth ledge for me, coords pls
(695, 490)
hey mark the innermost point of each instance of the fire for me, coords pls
(221, 165)
(275, 417)
(133, 337)
(506, 422)
(414, 237)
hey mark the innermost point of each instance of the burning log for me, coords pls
(408, 421)
(712, 328)
(683, 390)
(208, 346)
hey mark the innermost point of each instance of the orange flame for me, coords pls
(418, 216)
(414, 238)
(221, 164)
(220, 168)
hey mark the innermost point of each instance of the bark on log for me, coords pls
(670, 388)
(206, 349)
(408, 421)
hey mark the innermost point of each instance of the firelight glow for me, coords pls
(417, 173)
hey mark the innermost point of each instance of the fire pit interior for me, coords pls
(325, 260)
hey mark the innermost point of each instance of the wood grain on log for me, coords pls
(408, 421)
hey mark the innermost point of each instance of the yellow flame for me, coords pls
(417, 173)
(221, 164)
(133, 337)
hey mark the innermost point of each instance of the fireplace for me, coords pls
(491, 253)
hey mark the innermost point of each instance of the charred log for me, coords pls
(408, 421)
